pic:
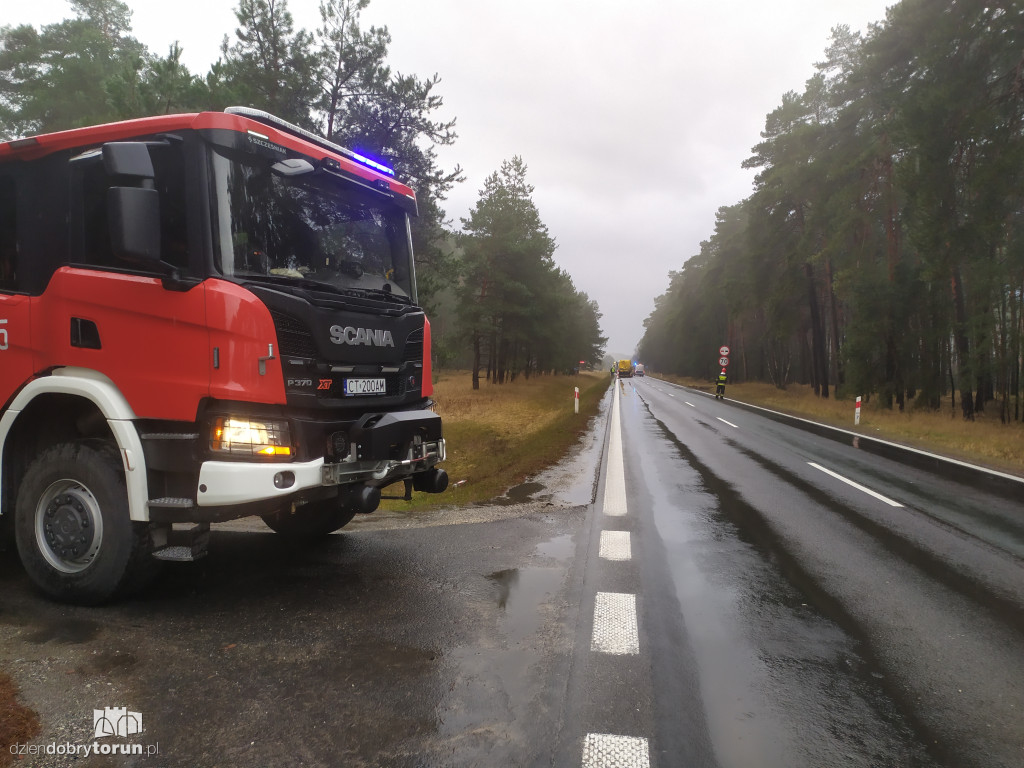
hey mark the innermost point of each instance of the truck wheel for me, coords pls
(74, 535)
(312, 520)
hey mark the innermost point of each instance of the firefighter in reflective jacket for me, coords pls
(720, 389)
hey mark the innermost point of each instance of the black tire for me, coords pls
(72, 527)
(311, 520)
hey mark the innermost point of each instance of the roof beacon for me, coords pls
(284, 125)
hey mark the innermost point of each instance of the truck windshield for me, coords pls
(307, 227)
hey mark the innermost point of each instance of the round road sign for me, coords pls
(723, 351)
(723, 361)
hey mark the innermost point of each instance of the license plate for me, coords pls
(365, 387)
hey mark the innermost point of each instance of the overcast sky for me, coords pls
(633, 116)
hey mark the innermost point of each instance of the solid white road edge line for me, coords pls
(615, 481)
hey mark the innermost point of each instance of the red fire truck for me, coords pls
(202, 317)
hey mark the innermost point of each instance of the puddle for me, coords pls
(505, 580)
(521, 493)
(487, 711)
(560, 548)
(521, 593)
(492, 692)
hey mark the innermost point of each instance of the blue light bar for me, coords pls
(372, 164)
(268, 119)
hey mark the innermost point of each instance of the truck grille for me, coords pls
(293, 336)
(414, 347)
(296, 340)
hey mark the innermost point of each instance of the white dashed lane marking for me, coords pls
(727, 422)
(603, 750)
(615, 626)
(858, 486)
(615, 545)
(615, 616)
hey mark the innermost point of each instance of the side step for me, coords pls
(169, 510)
(182, 546)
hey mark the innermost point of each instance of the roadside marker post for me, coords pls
(577, 400)
(856, 413)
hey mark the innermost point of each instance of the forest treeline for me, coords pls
(492, 291)
(882, 249)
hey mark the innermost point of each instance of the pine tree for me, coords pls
(270, 65)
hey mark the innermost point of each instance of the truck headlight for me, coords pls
(243, 436)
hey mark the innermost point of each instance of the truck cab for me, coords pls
(202, 317)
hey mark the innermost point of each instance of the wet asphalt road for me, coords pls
(783, 618)
(828, 626)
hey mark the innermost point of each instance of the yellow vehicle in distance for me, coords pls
(625, 369)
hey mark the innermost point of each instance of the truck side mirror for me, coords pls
(133, 211)
(128, 158)
(134, 214)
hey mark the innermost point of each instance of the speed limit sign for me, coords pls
(723, 351)
(723, 361)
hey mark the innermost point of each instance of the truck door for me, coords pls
(114, 316)
(15, 331)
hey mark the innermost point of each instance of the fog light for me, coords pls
(284, 479)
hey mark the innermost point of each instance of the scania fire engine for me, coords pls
(202, 317)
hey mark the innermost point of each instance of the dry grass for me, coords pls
(499, 435)
(984, 441)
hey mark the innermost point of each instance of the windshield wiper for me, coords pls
(316, 285)
(298, 282)
(401, 299)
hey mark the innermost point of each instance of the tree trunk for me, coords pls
(819, 358)
(963, 346)
(476, 361)
(491, 342)
(952, 380)
(743, 353)
(836, 353)
(1018, 321)
(502, 360)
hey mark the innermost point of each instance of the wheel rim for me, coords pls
(69, 526)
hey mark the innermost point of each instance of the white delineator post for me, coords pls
(856, 413)
(577, 400)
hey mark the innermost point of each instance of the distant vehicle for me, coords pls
(625, 369)
(639, 370)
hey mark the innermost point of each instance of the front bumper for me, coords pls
(228, 483)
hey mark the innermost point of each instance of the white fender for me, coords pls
(104, 394)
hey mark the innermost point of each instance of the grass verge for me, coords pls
(984, 441)
(501, 434)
